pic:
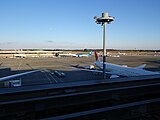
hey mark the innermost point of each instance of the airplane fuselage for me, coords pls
(83, 55)
(124, 71)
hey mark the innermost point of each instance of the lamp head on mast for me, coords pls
(104, 19)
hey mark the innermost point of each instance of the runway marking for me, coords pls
(49, 78)
(20, 64)
(52, 77)
(57, 78)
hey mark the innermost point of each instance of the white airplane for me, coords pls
(76, 55)
(67, 55)
(117, 70)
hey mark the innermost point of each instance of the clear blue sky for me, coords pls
(69, 24)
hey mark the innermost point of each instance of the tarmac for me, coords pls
(64, 64)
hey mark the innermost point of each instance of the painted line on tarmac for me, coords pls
(55, 77)
(49, 78)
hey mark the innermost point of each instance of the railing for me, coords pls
(67, 99)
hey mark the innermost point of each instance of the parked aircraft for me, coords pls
(75, 55)
(83, 55)
(66, 55)
(118, 70)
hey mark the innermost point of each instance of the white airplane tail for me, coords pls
(141, 66)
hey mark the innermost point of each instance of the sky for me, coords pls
(69, 24)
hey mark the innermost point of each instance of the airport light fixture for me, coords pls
(105, 19)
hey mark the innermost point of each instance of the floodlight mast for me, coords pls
(105, 19)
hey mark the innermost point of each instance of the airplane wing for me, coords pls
(96, 71)
(83, 67)
(17, 75)
(112, 75)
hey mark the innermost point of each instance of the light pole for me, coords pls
(105, 19)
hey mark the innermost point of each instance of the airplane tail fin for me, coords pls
(141, 66)
(90, 53)
(96, 56)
